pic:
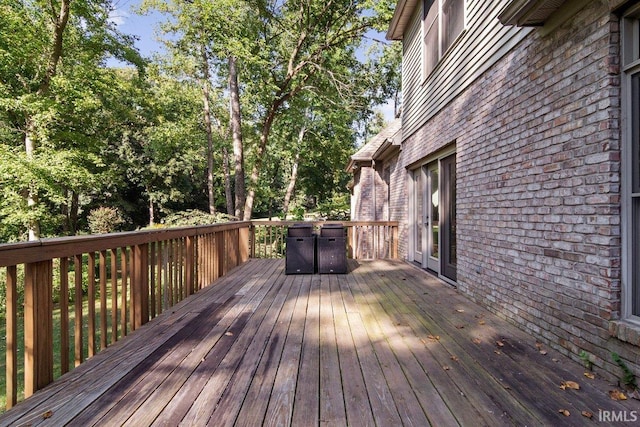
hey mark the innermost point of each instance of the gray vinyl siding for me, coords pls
(484, 41)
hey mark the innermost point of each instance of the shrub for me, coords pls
(104, 220)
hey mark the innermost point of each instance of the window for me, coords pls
(631, 163)
(442, 23)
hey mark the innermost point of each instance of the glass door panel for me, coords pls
(433, 222)
(418, 214)
(448, 238)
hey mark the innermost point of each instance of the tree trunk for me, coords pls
(294, 173)
(73, 212)
(32, 194)
(208, 129)
(227, 181)
(236, 129)
(262, 148)
(152, 212)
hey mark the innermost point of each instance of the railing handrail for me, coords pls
(320, 222)
(56, 247)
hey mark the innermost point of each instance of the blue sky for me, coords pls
(141, 26)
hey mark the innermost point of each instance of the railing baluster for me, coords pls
(92, 304)
(180, 270)
(124, 275)
(103, 300)
(12, 337)
(189, 264)
(64, 315)
(219, 253)
(159, 294)
(113, 254)
(78, 350)
(152, 278)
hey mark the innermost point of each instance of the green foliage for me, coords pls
(628, 377)
(133, 139)
(104, 220)
(337, 208)
(193, 217)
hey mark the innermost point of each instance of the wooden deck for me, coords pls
(386, 345)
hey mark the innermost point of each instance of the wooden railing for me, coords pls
(68, 298)
(365, 239)
(94, 290)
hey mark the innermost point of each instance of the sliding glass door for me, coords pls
(434, 216)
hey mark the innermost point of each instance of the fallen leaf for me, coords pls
(459, 326)
(617, 395)
(497, 351)
(635, 394)
(47, 415)
(454, 358)
(555, 360)
(482, 322)
(459, 310)
(434, 337)
(543, 352)
(477, 340)
(499, 343)
(229, 333)
(538, 345)
(446, 368)
(564, 412)
(587, 414)
(570, 384)
(590, 375)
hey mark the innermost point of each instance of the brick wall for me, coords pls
(538, 159)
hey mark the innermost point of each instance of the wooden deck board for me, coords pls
(386, 344)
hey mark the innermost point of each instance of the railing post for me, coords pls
(38, 326)
(243, 244)
(394, 253)
(140, 285)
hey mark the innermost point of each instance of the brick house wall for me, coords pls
(538, 192)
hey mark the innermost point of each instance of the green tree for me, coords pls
(51, 55)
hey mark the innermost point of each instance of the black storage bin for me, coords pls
(300, 230)
(332, 255)
(300, 257)
(332, 230)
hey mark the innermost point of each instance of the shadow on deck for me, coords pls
(386, 344)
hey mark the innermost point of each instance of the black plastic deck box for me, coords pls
(332, 230)
(300, 257)
(331, 248)
(300, 230)
(332, 255)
